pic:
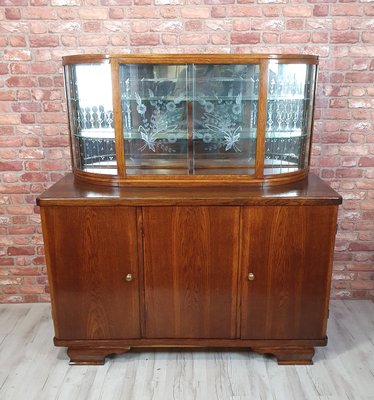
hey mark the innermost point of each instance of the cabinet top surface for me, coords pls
(187, 58)
(310, 191)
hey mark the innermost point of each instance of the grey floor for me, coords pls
(32, 368)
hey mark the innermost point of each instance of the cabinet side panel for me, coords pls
(90, 252)
(190, 271)
(289, 251)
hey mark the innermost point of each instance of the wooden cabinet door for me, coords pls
(90, 250)
(289, 251)
(191, 271)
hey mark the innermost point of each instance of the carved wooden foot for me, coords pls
(92, 355)
(292, 355)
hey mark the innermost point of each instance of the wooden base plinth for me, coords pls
(289, 355)
(92, 355)
(285, 355)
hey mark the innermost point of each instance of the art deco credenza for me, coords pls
(190, 219)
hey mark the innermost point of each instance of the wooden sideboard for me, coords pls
(223, 267)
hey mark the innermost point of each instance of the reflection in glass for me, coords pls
(225, 105)
(91, 117)
(288, 121)
(154, 117)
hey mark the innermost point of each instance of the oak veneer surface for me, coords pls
(189, 252)
(90, 250)
(289, 250)
(191, 271)
(308, 191)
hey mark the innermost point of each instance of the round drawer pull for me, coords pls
(129, 277)
(251, 276)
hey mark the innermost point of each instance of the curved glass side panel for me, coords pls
(154, 118)
(89, 91)
(225, 107)
(289, 115)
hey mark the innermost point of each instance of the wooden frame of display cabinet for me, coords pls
(190, 267)
(279, 111)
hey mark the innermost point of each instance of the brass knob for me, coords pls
(251, 276)
(129, 277)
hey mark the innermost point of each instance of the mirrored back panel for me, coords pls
(189, 118)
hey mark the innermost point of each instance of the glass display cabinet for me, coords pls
(190, 218)
(170, 118)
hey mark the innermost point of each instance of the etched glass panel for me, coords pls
(91, 117)
(154, 117)
(225, 107)
(288, 120)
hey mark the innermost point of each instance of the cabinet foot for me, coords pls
(92, 355)
(292, 355)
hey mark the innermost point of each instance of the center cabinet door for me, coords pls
(191, 271)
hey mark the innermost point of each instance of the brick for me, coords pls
(368, 37)
(31, 154)
(34, 177)
(21, 250)
(361, 246)
(17, 55)
(11, 119)
(166, 26)
(267, 25)
(295, 25)
(144, 39)
(344, 37)
(270, 37)
(13, 13)
(219, 38)
(193, 25)
(346, 9)
(6, 261)
(298, 11)
(224, 1)
(218, 12)
(11, 166)
(116, 13)
(169, 12)
(244, 11)
(93, 40)
(300, 37)
(349, 173)
(43, 41)
(195, 12)
(93, 13)
(39, 13)
(92, 26)
(193, 39)
(61, 3)
(67, 14)
(142, 12)
(359, 77)
(245, 38)
(321, 10)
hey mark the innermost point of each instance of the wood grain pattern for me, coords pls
(89, 252)
(190, 252)
(190, 271)
(190, 58)
(68, 192)
(289, 250)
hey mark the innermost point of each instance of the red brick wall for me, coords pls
(35, 34)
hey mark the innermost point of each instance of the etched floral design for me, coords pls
(222, 120)
(160, 125)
